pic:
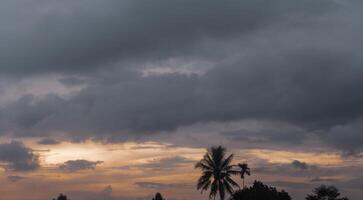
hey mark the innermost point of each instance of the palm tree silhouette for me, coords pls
(216, 172)
(244, 170)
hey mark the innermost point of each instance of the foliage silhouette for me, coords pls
(324, 192)
(244, 170)
(158, 196)
(216, 172)
(62, 197)
(260, 191)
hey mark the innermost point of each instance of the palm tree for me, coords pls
(244, 170)
(216, 172)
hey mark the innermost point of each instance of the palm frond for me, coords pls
(209, 160)
(226, 163)
(203, 165)
(221, 190)
(228, 187)
(205, 178)
(233, 172)
(213, 189)
(231, 181)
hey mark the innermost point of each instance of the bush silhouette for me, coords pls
(260, 191)
(324, 192)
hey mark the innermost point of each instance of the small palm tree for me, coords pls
(216, 172)
(244, 170)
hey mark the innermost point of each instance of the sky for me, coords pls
(116, 100)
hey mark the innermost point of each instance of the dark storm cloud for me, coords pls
(51, 36)
(17, 157)
(291, 92)
(288, 61)
(348, 136)
(77, 165)
(71, 81)
(278, 134)
(14, 120)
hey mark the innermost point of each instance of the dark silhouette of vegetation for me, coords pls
(158, 196)
(324, 192)
(260, 191)
(244, 170)
(217, 172)
(61, 197)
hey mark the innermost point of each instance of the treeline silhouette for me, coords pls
(217, 172)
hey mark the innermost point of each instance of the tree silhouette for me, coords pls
(61, 197)
(244, 170)
(158, 196)
(260, 191)
(324, 192)
(216, 172)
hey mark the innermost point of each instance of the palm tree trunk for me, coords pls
(243, 183)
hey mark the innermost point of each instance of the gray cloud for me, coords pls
(355, 183)
(59, 37)
(283, 61)
(48, 141)
(299, 165)
(17, 157)
(165, 164)
(347, 137)
(313, 173)
(77, 165)
(264, 134)
(320, 179)
(15, 178)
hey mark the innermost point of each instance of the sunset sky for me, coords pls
(118, 99)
